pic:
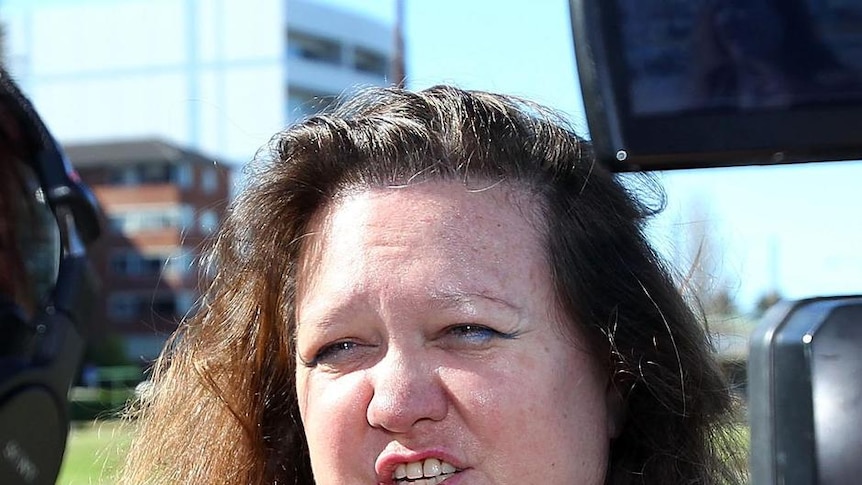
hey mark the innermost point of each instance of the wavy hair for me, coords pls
(224, 406)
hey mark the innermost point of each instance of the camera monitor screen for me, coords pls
(693, 83)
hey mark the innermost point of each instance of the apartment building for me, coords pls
(331, 52)
(160, 202)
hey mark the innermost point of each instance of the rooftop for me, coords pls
(117, 152)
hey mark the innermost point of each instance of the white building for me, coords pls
(217, 76)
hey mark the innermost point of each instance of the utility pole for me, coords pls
(398, 70)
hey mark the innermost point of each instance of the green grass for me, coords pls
(94, 452)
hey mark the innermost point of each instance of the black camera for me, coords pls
(703, 83)
(48, 217)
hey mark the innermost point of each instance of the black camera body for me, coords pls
(704, 83)
(805, 398)
(43, 348)
(34, 419)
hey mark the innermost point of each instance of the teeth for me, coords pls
(428, 472)
(431, 467)
(414, 470)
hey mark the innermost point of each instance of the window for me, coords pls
(371, 62)
(125, 306)
(187, 216)
(132, 220)
(209, 183)
(182, 175)
(185, 302)
(168, 262)
(116, 223)
(127, 175)
(208, 221)
(305, 102)
(179, 264)
(145, 172)
(152, 172)
(155, 173)
(164, 305)
(119, 264)
(313, 48)
(131, 262)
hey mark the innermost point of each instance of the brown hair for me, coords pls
(224, 405)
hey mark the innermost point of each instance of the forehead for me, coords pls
(440, 208)
(445, 223)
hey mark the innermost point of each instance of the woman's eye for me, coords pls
(475, 335)
(336, 354)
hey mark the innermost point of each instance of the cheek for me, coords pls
(333, 404)
(500, 402)
(576, 413)
(544, 418)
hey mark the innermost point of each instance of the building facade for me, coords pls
(160, 203)
(331, 52)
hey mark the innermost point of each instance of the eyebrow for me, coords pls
(327, 319)
(446, 299)
(438, 300)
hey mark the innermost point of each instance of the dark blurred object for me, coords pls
(47, 219)
(705, 83)
(805, 393)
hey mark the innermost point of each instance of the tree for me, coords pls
(766, 301)
(701, 257)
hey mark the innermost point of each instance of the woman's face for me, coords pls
(428, 343)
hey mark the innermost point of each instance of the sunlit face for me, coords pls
(427, 344)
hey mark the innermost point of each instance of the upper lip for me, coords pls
(387, 461)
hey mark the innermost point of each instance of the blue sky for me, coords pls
(794, 228)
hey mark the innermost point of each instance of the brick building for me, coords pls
(160, 202)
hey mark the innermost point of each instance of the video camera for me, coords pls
(706, 83)
(48, 217)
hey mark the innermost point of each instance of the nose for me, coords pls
(406, 392)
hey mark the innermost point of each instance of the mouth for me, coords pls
(426, 472)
